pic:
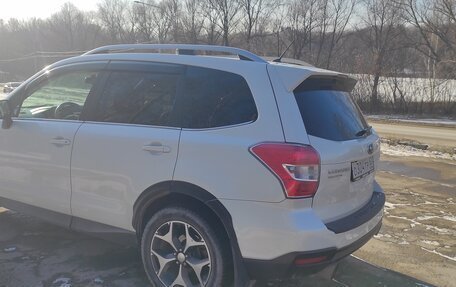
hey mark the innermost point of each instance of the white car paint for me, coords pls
(112, 164)
(35, 162)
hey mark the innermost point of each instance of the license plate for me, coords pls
(362, 168)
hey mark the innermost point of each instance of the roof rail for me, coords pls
(185, 49)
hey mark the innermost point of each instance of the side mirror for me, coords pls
(5, 113)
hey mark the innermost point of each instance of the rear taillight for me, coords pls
(297, 166)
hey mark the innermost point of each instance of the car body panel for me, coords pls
(337, 194)
(228, 169)
(110, 169)
(33, 169)
(275, 229)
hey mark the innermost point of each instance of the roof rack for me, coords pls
(181, 49)
(289, 61)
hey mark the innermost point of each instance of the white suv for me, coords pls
(224, 168)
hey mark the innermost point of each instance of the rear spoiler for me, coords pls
(310, 78)
(335, 83)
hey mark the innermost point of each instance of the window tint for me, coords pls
(330, 114)
(60, 97)
(138, 98)
(213, 98)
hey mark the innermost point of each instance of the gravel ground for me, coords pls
(418, 236)
(36, 254)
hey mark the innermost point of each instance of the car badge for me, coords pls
(370, 148)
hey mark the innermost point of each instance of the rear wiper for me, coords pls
(363, 131)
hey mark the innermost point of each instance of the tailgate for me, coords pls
(346, 175)
(348, 147)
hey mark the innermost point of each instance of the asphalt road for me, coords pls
(432, 135)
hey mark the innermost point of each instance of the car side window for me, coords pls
(60, 97)
(143, 98)
(214, 98)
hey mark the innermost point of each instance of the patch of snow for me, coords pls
(403, 150)
(429, 203)
(381, 235)
(439, 230)
(445, 217)
(10, 249)
(440, 254)
(98, 281)
(449, 217)
(389, 205)
(404, 119)
(62, 282)
(413, 222)
(429, 242)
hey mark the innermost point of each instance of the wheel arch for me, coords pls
(186, 193)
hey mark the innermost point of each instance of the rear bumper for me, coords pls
(282, 266)
(271, 245)
(358, 218)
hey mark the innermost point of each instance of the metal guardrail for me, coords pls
(179, 48)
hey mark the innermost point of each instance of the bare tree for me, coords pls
(223, 14)
(192, 21)
(382, 21)
(68, 23)
(174, 10)
(436, 24)
(391, 45)
(113, 17)
(142, 16)
(162, 20)
(252, 13)
(301, 22)
(341, 12)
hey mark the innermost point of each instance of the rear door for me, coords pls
(348, 148)
(129, 143)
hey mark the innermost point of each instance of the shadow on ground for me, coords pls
(36, 254)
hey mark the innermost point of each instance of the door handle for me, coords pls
(156, 148)
(60, 141)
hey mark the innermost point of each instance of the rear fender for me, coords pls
(161, 190)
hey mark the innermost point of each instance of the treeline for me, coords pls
(387, 40)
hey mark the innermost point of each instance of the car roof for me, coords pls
(292, 72)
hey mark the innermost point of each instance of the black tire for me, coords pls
(218, 271)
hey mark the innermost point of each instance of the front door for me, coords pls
(35, 152)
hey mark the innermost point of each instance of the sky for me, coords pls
(24, 9)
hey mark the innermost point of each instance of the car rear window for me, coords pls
(328, 111)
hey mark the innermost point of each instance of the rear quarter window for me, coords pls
(328, 110)
(213, 98)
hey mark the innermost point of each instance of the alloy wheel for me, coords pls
(180, 255)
